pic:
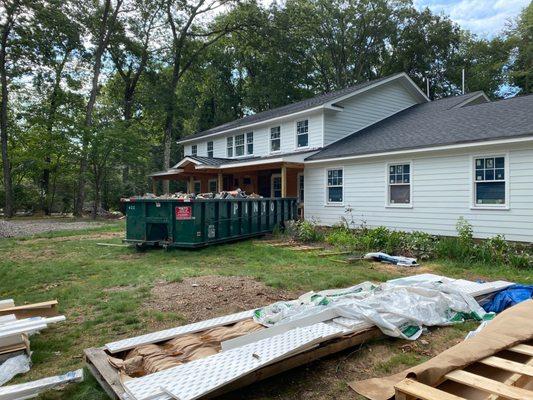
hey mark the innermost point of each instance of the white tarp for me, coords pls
(400, 308)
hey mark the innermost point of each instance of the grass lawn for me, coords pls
(107, 293)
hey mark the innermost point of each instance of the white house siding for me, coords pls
(262, 137)
(365, 109)
(441, 193)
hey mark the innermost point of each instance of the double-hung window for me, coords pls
(250, 143)
(239, 145)
(490, 181)
(194, 150)
(229, 146)
(334, 186)
(399, 186)
(275, 139)
(210, 149)
(302, 133)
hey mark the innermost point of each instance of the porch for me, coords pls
(266, 177)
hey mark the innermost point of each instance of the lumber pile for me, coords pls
(17, 323)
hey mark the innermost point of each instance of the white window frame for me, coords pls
(248, 142)
(328, 203)
(388, 204)
(270, 139)
(272, 177)
(474, 205)
(297, 134)
(210, 181)
(298, 176)
(194, 150)
(230, 147)
(243, 145)
(212, 151)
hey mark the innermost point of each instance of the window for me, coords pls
(210, 149)
(275, 139)
(334, 186)
(301, 187)
(399, 184)
(229, 146)
(213, 185)
(490, 184)
(194, 150)
(239, 145)
(197, 187)
(302, 130)
(250, 143)
(275, 185)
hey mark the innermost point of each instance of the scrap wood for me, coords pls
(509, 330)
(333, 253)
(43, 309)
(113, 245)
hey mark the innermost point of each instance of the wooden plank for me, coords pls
(43, 309)
(421, 391)
(489, 385)
(523, 349)
(508, 365)
(104, 373)
(517, 380)
(333, 253)
(306, 248)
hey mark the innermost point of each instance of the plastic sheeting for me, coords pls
(509, 297)
(399, 308)
(14, 366)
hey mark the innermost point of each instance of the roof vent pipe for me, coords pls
(463, 80)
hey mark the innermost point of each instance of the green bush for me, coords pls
(304, 231)
(420, 245)
(342, 237)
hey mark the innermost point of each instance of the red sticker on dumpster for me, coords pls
(184, 212)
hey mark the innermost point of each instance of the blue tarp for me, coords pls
(509, 297)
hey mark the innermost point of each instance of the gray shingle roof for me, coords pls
(438, 123)
(286, 110)
(217, 161)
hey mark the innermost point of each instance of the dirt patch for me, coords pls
(206, 297)
(33, 227)
(96, 236)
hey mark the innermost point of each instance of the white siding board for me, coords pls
(366, 109)
(441, 194)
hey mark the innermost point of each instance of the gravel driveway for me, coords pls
(33, 227)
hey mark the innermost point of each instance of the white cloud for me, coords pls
(483, 17)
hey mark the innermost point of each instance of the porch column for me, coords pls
(220, 182)
(190, 188)
(283, 181)
(154, 186)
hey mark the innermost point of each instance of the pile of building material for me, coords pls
(233, 194)
(187, 362)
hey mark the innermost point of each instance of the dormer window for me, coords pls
(302, 133)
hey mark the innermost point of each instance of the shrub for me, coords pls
(304, 231)
(420, 245)
(343, 238)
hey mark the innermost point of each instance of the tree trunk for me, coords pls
(45, 182)
(8, 182)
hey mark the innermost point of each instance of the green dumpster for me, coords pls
(201, 222)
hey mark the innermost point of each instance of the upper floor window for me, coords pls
(194, 150)
(239, 145)
(229, 146)
(399, 184)
(210, 149)
(335, 186)
(250, 143)
(490, 181)
(275, 139)
(302, 133)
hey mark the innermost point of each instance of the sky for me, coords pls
(485, 18)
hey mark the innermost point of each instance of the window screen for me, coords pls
(400, 184)
(334, 186)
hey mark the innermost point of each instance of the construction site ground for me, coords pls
(112, 292)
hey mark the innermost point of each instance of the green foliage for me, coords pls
(304, 231)
(423, 246)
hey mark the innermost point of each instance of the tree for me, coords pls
(106, 22)
(189, 41)
(521, 38)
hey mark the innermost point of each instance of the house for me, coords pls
(386, 153)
